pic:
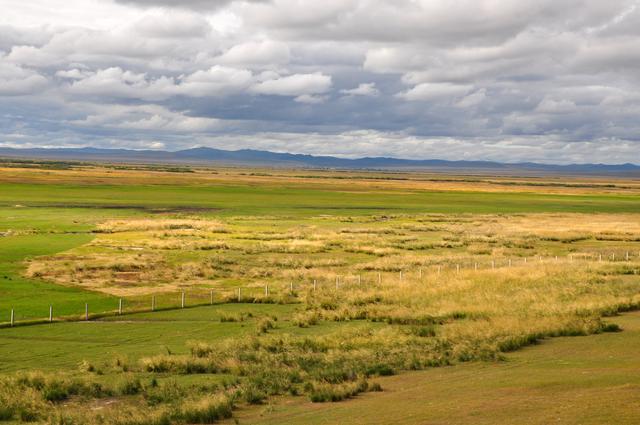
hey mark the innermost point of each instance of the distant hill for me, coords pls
(250, 157)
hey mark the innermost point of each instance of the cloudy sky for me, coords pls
(508, 80)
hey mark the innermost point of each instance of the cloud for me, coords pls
(118, 83)
(435, 92)
(146, 118)
(173, 25)
(261, 53)
(185, 4)
(17, 81)
(216, 81)
(556, 75)
(294, 85)
(364, 89)
(311, 99)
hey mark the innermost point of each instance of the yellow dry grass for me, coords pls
(344, 181)
(142, 256)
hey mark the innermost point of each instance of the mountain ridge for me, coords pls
(206, 155)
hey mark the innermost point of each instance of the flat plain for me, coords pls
(193, 295)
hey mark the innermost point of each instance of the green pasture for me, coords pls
(64, 345)
(283, 200)
(43, 219)
(592, 380)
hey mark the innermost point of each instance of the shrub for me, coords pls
(610, 327)
(321, 393)
(253, 395)
(55, 392)
(265, 324)
(207, 410)
(424, 331)
(380, 369)
(6, 412)
(200, 349)
(165, 393)
(130, 386)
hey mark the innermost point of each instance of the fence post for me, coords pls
(239, 295)
(509, 262)
(314, 285)
(359, 279)
(493, 264)
(50, 313)
(420, 272)
(12, 318)
(457, 268)
(153, 302)
(379, 278)
(400, 275)
(475, 266)
(211, 297)
(291, 287)
(86, 312)
(266, 289)
(439, 268)
(120, 306)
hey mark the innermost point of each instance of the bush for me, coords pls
(200, 349)
(165, 393)
(322, 393)
(380, 369)
(55, 392)
(207, 410)
(253, 395)
(130, 386)
(424, 331)
(610, 327)
(179, 364)
(6, 412)
(265, 324)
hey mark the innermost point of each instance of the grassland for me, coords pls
(345, 278)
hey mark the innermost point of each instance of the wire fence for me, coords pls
(271, 292)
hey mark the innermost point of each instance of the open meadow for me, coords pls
(156, 295)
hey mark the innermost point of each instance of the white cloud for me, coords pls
(294, 85)
(118, 83)
(435, 92)
(262, 53)
(364, 89)
(216, 81)
(146, 118)
(473, 99)
(73, 74)
(476, 70)
(16, 81)
(311, 99)
(553, 106)
(172, 24)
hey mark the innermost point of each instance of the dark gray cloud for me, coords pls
(509, 80)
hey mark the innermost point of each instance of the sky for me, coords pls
(503, 80)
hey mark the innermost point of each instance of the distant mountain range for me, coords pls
(250, 157)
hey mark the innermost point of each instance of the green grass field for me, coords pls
(588, 380)
(437, 286)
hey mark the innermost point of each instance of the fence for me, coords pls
(266, 292)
